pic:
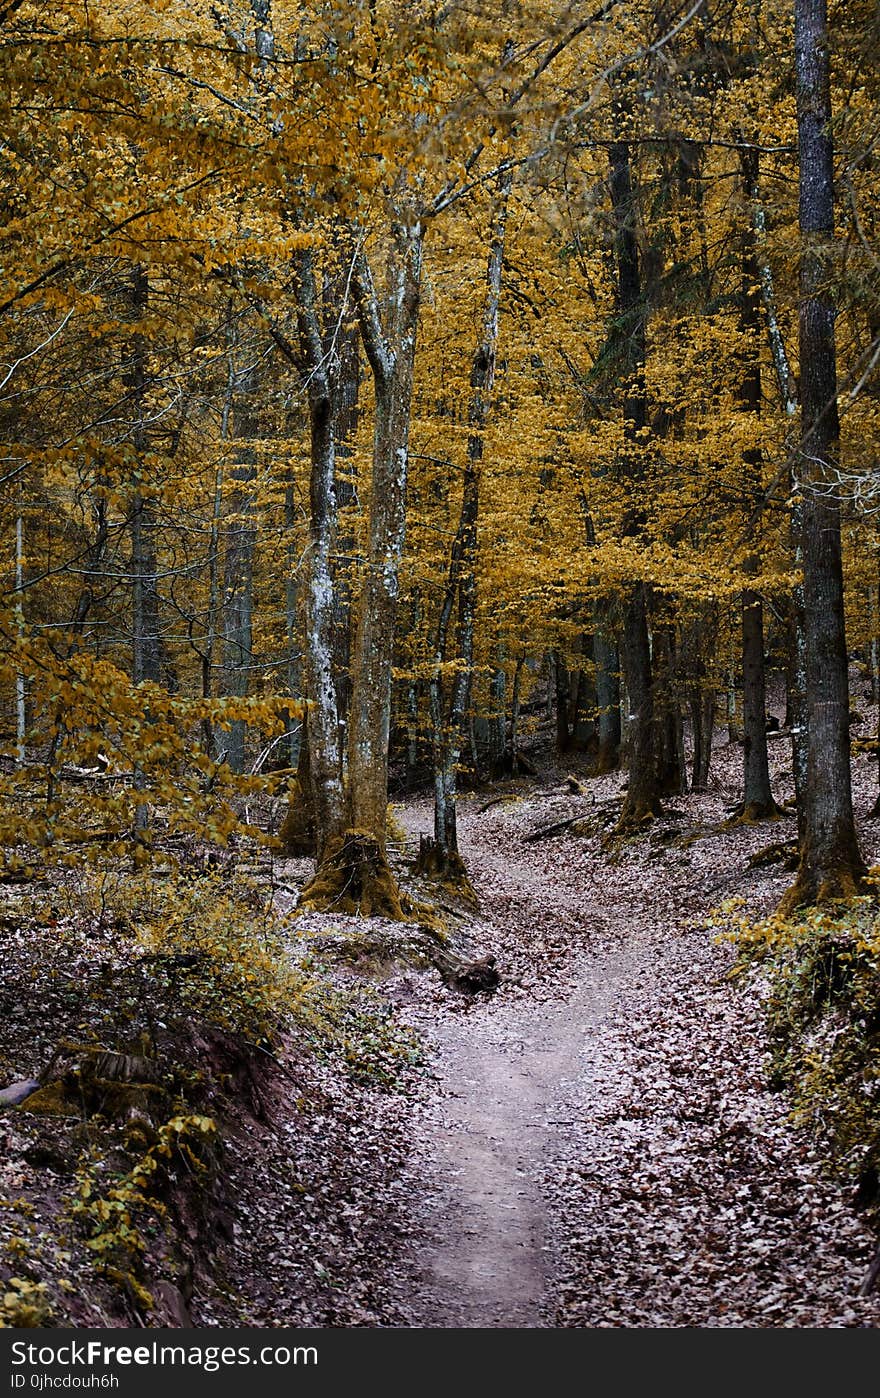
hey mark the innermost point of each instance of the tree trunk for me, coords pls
(643, 793)
(642, 800)
(513, 752)
(607, 696)
(145, 656)
(795, 719)
(325, 758)
(758, 802)
(562, 691)
(347, 405)
(391, 353)
(497, 717)
(831, 865)
(669, 744)
(238, 564)
(450, 726)
(20, 688)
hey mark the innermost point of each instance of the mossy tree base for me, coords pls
(753, 812)
(354, 878)
(446, 868)
(812, 889)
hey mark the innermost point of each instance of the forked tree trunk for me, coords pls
(353, 872)
(831, 865)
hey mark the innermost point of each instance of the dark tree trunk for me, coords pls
(607, 697)
(643, 791)
(669, 744)
(642, 795)
(450, 719)
(758, 802)
(562, 689)
(497, 717)
(831, 865)
(702, 706)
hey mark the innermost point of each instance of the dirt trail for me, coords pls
(603, 1148)
(509, 1093)
(509, 1084)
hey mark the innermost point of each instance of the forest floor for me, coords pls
(600, 1144)
(597, 1143)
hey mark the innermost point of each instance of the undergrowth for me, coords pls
(823, 969)
(179, 987)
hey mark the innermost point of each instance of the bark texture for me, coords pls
(831, 865)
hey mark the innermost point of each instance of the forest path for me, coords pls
(509, 1090)
(602, 1146)
(509, 1084)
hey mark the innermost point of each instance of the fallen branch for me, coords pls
(547, 830)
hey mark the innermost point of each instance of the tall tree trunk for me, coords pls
(796, 675)
(325, 757)
(353, 873)
(391, 351)
(347, 408)
(20, 689)
(643, 793)
(831, 865)
(238, 567)
(210, 641)
(145, 653)
(758, 802)
(450, 727)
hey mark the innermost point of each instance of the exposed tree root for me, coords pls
(784, 852)
(354, 878)
(636, 817)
